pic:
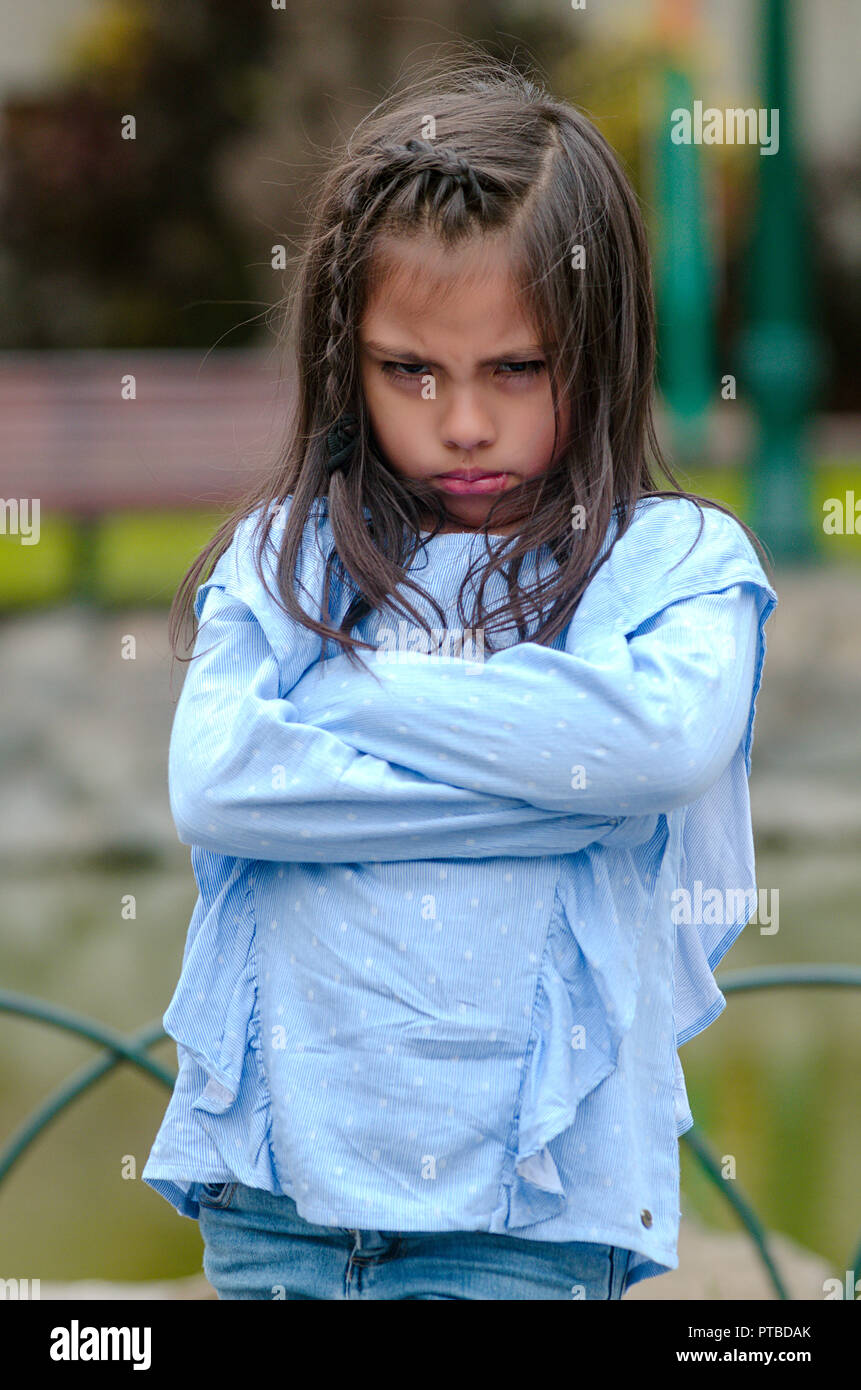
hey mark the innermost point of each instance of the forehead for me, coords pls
(419, 285)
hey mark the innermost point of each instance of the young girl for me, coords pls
(466, 731)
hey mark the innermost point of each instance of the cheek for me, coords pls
(369, 388)
(380, 417)
(387, 412)
(394, 423)
(539, 433)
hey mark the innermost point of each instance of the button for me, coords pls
(646, 1217)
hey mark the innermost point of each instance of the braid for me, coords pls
(339, 297)
(368, 194)
(454, 172)
(358, 214)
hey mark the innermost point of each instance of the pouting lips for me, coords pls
(479, 482)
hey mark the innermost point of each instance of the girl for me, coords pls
(443, 953)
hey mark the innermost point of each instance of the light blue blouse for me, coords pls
(450, 929)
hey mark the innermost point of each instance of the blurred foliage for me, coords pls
(112, 48)
(619, 87)
(135, 231)
(108, 242)
(611, 84)
(140, 557)
(165, 240)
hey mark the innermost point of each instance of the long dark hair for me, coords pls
(505, 157)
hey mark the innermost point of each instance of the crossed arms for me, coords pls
(540, 752)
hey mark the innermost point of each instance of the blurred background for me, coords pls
(162, 257)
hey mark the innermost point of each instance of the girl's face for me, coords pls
(455, 382)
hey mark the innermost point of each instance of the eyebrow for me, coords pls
(403, 355)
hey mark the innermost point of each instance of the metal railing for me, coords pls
(133, 1049)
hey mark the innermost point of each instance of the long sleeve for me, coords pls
(248, 778)
(643, 726)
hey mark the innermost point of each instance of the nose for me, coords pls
(466, 423)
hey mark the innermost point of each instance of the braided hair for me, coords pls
(414, 183)
(505, 157)
(401, 181)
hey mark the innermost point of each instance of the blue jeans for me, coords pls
(256, 1245)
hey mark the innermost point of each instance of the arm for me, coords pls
(247, 778)
(645, 724)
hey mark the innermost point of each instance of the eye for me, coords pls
(404, 368)
(412, 369)
(521, 368)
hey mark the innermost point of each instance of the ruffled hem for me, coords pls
(214, 999)
(717, 844)
(717, 858)
(240, 1124)
(585, 1005)
(196, 1145)
(214, 1018)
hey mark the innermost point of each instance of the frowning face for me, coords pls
(456, 383)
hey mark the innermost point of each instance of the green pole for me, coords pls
(684, 277)
(781, 359)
